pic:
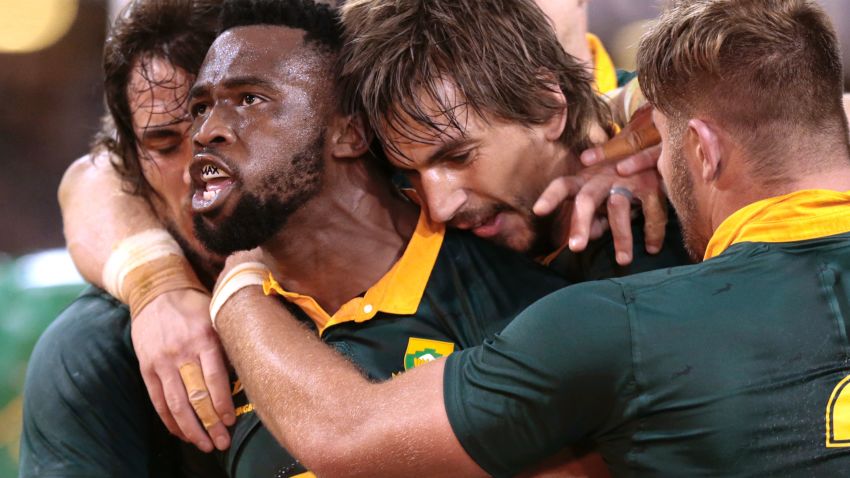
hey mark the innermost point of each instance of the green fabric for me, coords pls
(598, 260)
(719, 369)
(625, 76)
(87, 412)
(474, 290)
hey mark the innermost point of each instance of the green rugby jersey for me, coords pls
(86, 409)
(737, 366)
(450, 290)
(598, 260)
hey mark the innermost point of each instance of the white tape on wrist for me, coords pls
(133, 252)
(241, 276)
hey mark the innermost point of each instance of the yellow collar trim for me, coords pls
(603, 67)
(399, 291)
(799, 216)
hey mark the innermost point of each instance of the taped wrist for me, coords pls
(146, 265)
(241, 276)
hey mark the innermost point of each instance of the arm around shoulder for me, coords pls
(555, 376)
(319, 406)
(97, 213)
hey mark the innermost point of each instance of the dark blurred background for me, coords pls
(51, 101)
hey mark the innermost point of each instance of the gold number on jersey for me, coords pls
(838, 416)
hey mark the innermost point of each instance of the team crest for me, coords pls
(422, 351)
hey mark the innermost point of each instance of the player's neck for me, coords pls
(832, 174)
(344, 240)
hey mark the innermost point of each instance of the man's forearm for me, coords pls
(324, 411)
(97, 214)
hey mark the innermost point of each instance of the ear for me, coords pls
(553, 128)
(350, 137)
(704, 144)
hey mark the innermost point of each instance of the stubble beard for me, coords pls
(257, 217)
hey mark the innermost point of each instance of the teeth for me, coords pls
(210, 196)
(210, 172)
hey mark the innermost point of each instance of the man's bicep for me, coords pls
(419, 428)
(551, 379)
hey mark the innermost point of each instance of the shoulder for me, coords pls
(94, 323)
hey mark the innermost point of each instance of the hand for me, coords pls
(637, 147)
(183, 366)
(623, 165)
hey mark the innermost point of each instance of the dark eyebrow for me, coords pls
(198, 90)
(448, 148)
(234, 83)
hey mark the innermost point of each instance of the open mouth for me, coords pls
(486, 228)
(490, 227)
(212, 183)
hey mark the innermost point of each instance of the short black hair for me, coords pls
(319, 20)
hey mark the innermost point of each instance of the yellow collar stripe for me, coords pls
(799, 216)
(399, 291)
(603, 67)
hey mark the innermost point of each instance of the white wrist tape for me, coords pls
(241, 276)
(132, 253)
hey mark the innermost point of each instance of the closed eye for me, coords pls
(460, 158)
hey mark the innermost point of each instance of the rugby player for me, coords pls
(276, 164)
(328, 207)
(91, 239)
(736, 366)
(569, 19)
(87, 411)
(482, 136)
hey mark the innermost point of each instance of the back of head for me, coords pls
(767, 71)
(502, 56)
(178, 31)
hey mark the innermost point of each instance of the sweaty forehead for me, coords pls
(438, 115)
(274, 52)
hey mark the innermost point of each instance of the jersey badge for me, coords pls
(422, 351)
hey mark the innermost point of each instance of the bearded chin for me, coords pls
(254, 220)
(251, 224)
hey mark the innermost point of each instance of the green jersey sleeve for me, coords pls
(554, 377)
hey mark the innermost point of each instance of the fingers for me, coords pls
(620, 220)
(655, 221)
(642, 161)
(218, 384)
(182, 410)
(587, 202)
(638, 135)
(200, 398)
(557, 192)
(154, 387)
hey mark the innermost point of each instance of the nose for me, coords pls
(443, 194)
(214, 129)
